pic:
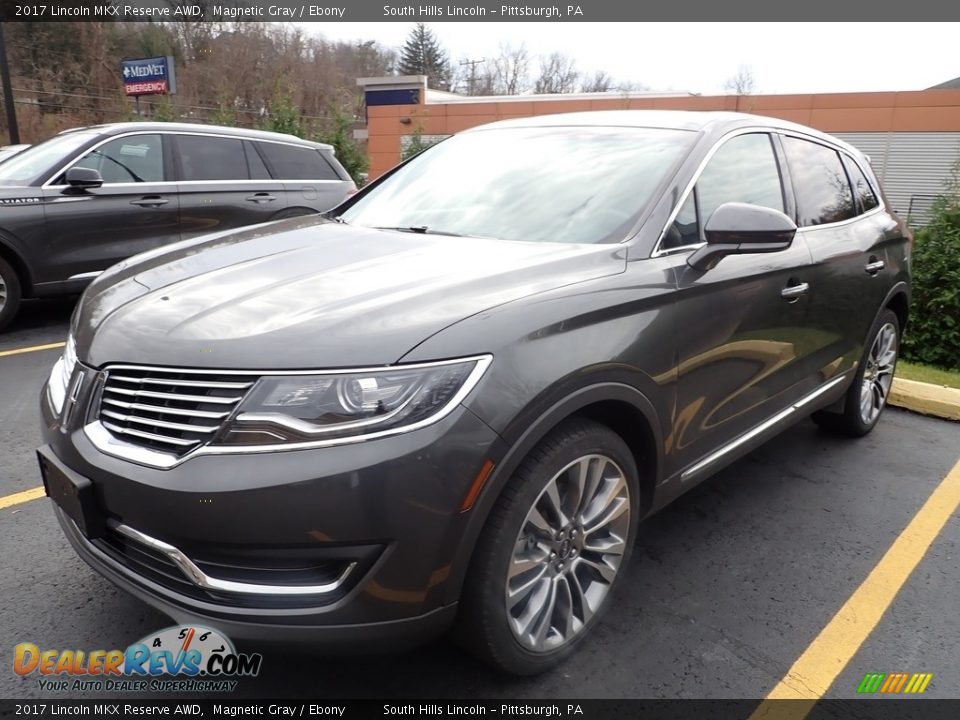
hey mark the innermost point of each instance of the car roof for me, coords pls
(125, 127)
(699, 121)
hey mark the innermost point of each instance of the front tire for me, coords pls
(9, 293)
(554, 550)
(867, 396)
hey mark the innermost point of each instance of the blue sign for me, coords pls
(149, 76)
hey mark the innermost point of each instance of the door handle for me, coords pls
(874, 266)
(261, 197)
(792, 292)
(150, 201)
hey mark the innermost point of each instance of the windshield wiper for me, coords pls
(335, 218)
(133, 175)
(424, 230)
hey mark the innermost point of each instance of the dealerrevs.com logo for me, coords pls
(199, 659)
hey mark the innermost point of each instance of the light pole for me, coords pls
(8, 92)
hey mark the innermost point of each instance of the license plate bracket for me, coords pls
(73, 493)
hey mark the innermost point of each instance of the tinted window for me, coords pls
(289, 162)
(258, 171)
(866, 198)
(135, 158)
(823, 193)
(544, 184)
(212, 158)
(744, 169)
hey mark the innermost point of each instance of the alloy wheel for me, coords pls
(567, 553)
(3, 293)
(878, 374)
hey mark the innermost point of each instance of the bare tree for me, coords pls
(558, 74)
(509, 71)
(600, 81)
(742, 82)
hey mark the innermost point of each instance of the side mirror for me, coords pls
(739, 228)
(84, 178)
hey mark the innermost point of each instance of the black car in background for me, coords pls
(87, 198)
(451, 401)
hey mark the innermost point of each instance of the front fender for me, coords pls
(534, 429)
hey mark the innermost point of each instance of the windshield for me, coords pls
(545, 184)
(33, 163)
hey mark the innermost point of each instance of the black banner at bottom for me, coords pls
(861, 709)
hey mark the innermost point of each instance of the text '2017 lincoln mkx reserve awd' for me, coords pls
(449, 402)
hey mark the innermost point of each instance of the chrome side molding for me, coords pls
(781, 416)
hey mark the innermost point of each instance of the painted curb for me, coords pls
(936, 400)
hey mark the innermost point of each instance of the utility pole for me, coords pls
(8, 92)
(472, 82)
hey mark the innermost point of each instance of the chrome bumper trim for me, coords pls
(201, 579)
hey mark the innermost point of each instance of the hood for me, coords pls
(310, 293)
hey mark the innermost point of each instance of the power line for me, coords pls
(120, 100)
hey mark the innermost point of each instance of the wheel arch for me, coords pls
(622, 408)
(9, 253)
(898, 300)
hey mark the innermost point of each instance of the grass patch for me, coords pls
(927, 374)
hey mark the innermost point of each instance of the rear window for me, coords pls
(203, 157)
(289, 162)
(819, 181)
(864, 194)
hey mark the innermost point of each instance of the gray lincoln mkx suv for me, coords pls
(450, 401)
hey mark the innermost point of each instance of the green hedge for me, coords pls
(933, 333)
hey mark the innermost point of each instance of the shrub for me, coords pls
(339, 133)
(933, 334)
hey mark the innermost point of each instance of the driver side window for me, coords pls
(744, 169)
(131, 159)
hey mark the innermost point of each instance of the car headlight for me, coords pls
(338, 405)
(60, 375)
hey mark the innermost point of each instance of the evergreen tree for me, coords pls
(423, 55)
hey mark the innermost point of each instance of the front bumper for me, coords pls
(389, 507)
(392, 634)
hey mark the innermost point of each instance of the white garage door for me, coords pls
(913, 167)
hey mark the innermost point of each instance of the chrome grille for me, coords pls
(169, 410)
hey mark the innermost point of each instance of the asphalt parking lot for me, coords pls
(728, 588)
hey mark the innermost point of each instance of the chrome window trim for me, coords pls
(109, 444)
(840, 223)
(133, 133)
(660, 252)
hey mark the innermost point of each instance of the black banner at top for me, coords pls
(486, 11)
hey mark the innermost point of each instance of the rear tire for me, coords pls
(10, 292)
(867, 397)
(554, 550)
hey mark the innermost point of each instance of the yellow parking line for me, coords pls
(825, 658)
(35, 348)
(21, 497)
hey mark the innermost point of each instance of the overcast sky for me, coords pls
(699, 57)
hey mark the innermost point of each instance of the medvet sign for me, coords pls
(149, 76)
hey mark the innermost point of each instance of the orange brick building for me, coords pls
(912, 137)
